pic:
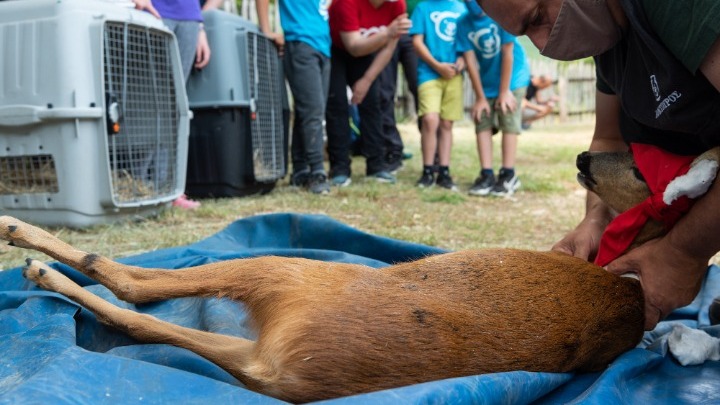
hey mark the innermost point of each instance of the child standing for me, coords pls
(364, 37)
(434, 24)
(305, 43)
(499, 72)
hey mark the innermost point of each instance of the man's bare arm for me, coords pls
(710, 66)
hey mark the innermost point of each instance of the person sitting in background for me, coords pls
(535, 107)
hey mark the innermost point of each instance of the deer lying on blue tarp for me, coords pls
(329, 329)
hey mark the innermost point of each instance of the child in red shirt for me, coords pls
(364, 35)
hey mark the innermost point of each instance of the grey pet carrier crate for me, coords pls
(238, 134)
(94, 117)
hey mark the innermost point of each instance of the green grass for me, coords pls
(548, 205)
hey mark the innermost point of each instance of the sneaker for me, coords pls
(184, 203)
(482, 185)
(506, 184)
(394, 162)
(318, 183)
(341, 180)
(446, 181)
(407, 155)
(300, 179)
(426, 181)
(383, 177)
(395, 167)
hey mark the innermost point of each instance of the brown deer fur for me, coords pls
(326, 330)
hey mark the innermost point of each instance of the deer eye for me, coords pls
(637, 174)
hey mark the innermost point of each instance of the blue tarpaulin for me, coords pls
(55, 352)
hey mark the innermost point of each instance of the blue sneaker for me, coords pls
(383, 177)
(341, 180)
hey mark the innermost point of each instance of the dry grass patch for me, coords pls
(548, 205)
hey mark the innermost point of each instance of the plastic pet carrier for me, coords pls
(238, 134)
(94, 118)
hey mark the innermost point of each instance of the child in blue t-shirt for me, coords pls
(499, 72)
(434, 24)
(305, 43)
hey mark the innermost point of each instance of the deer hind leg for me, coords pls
(233, 354)
(697, 180)
(235, 279)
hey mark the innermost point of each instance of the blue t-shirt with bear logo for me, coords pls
(437, 21)
(480, 33)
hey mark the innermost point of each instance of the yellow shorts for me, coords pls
(442, 96)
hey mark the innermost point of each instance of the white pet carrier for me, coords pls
(94, 117)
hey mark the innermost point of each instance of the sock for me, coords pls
(487, 172)
(509, 171)
(444, 171)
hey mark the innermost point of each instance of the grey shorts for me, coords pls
(507, 123)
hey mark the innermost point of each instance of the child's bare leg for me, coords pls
(509, 149)
(445, 142)
(485, 149)
(429, 135)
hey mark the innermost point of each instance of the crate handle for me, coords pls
(23, 115)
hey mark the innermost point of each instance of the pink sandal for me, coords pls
(186, 204)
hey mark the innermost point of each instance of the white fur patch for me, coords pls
(694, 183)
(692, 346)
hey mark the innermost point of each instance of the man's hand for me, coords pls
(506, 102)
(202, 52)
(360, 90)
(147, 6)
(669, 277)
(399, 26)
(584, 240)
(480, 109)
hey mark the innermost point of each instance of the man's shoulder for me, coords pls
(687, 28)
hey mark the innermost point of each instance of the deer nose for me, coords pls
(583, 162)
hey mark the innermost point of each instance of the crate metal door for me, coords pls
(266, 108)
(141, 112)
